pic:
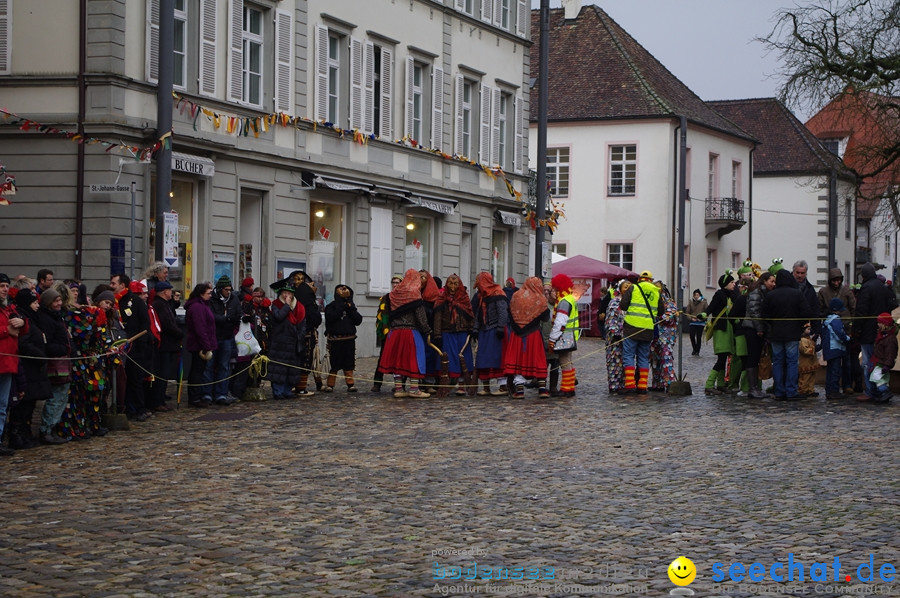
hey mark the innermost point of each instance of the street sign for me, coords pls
(110, 188)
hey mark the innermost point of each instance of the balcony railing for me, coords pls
(724, 215)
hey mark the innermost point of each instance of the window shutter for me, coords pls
(519, 124)
(460, 5)
(523, 19)
(152, 67)
(486, 10)
(284, 42)
(208, 30)
(321, 105)
(5, 37)
(387, 77)
(495, 126)
(236, 51)
(410, 74)
(437, 108)
(458, 117)
(356, 83)
(380, 252)
(369, 90)
(484, 140)
(498, 13)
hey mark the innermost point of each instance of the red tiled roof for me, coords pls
(786, 145)
(599, 72)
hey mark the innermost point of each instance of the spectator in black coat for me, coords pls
(874, 298)
(787, 311)
(341, 320)
(50, 321)
(135, 318)
(226, 307)
(809, 294)
(169, 353)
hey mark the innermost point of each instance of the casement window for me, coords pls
(713, 177)
(622, 169)
(620, 254)
(560, 248)
(5, 36)
(558, 171)
(334, 78)
(179, 43)
(466, 104)
(503, 128)
(501, 14)
(381, 234)
(466, 6)
(416, 99)
(736, 180)
(333, 59)
(424, 103)
(736, 261)
(711, 281)
(252, 49)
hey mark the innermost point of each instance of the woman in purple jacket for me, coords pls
(201, 342)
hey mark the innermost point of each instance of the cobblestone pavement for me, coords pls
(365, 495)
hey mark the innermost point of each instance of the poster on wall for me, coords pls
(321, 269)
(583, 289)
(284, 266)
(245, 261)
(170, 239)
(223, 265)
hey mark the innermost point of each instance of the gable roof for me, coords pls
(786, 145)
(599, 72)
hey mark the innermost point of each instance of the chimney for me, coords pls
(572, 8)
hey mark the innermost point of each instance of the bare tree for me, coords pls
(844, 56)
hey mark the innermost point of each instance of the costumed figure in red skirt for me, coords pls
(454, 322)
(430, 295)
(524, 355)
(404, 348)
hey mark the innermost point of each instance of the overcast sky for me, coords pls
(707, 44)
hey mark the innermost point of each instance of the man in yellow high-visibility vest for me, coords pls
(641, 303)
(565, 322)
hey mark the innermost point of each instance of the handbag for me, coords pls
(246, 342)
(566, 342)
(59, 371)
(764, 369)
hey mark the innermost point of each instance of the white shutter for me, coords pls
(498, 13)
(356, 83)
(437, 108)
(380, 251)
(284, 44)
(369, 90)
(496, 98)
(458, 116)
(321, 105)
(460, 5)
(387, 78)
(410, 80)
(519, 125)
(236, 51)
(523, 19)
(152, 66)
(208, 31)
(5, 37)
(484, 140)
(486, 10)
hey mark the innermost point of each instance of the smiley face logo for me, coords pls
(682, 571)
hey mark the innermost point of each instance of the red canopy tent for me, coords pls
(586, 268)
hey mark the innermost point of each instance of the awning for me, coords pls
(395, 193)
(437, 204)
(341, 184)
(193, 164)
(509, 218)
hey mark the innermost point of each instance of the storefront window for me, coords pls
(499, 255)
(418, 243)
(325, 237)
(182, 201)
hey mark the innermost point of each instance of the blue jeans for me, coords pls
(867, 368)
(222, 366)
(833, 374)
(5, 388)
(785, 358)
(281, 390)
(636, 351)
(54, 407)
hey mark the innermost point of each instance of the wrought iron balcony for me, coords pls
(724, 215)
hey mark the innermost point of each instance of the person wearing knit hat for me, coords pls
(224, 281)
(719, 328)
(696, 305)
(834, 349)
(873, 299)
(884, 355)
(31, 344)
(226, 307)
(58, 346)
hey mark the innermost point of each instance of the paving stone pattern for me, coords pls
(362, 495)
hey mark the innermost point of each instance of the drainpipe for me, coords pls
(750, 207)
(680, 209)
(79, 168)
